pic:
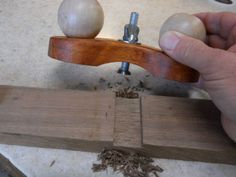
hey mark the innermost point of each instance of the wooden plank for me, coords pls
(127, 130)
(56, 118)
(185, 129)
(165, 127)
(9, 168)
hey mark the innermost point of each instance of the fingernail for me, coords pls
(169, 41)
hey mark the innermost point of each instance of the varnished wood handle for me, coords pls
(95, 52)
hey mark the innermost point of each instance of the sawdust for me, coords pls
(125, 83)
(130, 164)
(127, 93)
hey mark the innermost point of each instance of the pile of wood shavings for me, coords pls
(127, 93)
(130, 164)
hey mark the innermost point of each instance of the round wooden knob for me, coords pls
(186, 24)
(80, 18)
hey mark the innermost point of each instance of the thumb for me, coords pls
(189, 51)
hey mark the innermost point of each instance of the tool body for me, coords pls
(97, 51)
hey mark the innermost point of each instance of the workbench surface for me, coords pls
(25, 28)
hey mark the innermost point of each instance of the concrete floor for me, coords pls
(25, 28)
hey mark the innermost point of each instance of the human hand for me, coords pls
(215, 61)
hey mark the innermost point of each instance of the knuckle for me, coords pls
(188, 48)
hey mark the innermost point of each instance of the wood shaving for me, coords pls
(130, 164)
(225, 1)
(127, 93)
(52, 163)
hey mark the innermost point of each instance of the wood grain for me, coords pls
(127, 128)
(187, 129)
(165, 127)
(96, 52)
(56, 118)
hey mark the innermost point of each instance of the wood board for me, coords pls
(56, 118)
(164, 127)
(8, 168)
(185, 129)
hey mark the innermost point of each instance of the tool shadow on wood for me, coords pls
(164, 127)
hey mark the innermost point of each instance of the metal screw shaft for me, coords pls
(130, 36)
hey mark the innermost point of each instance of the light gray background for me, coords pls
(25, 28)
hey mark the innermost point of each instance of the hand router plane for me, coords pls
(80, 45)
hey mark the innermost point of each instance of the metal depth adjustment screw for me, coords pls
(131, 32)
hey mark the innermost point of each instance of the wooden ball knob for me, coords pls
(80, 18)
(186, 24)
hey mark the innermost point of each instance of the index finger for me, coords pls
(218, 23)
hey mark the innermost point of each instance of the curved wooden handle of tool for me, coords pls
(95, 52)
